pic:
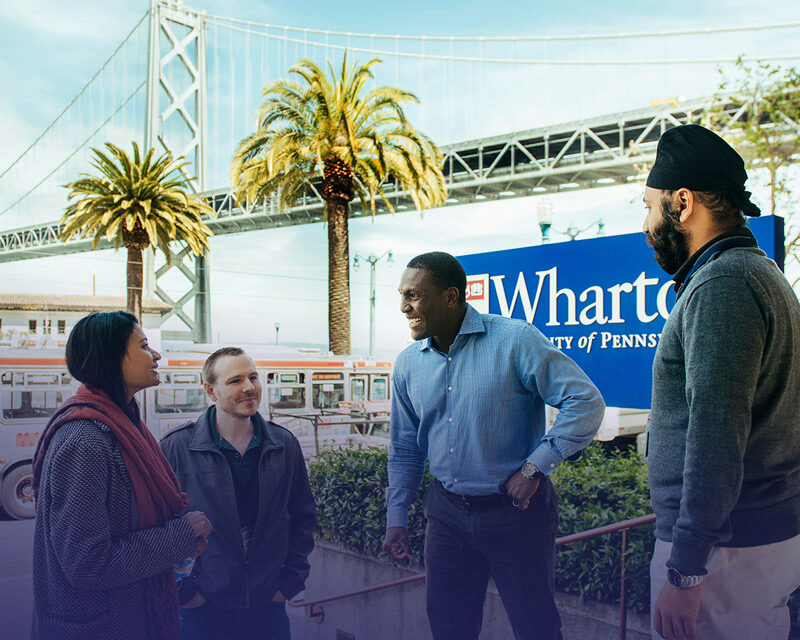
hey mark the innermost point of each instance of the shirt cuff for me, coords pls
(397, 517)
(545, 458)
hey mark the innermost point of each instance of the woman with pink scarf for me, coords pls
(109, 527)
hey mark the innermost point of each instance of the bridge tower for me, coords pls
(175, 121)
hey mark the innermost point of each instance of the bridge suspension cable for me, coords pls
(75, 99)
(75, 151)
(531, 38)
(250, 28)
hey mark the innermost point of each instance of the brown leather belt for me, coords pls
(475, 502)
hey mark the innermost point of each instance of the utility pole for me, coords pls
(373, 260)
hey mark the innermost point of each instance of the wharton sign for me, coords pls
(602, 301)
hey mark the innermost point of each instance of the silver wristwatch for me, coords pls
(530, 470)
(680, 581)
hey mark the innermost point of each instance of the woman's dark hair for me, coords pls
(95, 350)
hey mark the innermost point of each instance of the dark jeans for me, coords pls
(465, 545)
(207, 622)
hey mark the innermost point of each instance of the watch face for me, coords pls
(675, 578)
(528, 469)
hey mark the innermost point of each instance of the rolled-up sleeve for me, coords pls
(406, 459)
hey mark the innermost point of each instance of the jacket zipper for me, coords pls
(252, 539)
(239, 527)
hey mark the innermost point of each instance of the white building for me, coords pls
(33, 320)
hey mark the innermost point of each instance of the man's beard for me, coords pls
(668, 241)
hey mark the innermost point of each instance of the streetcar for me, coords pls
(307, 392)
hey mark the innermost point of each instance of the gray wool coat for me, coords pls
(90, 562)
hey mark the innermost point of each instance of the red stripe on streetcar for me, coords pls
(32, 361)
(298, 364)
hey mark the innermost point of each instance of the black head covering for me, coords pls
(692, 157)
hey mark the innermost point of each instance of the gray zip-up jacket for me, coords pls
(277, 557)
(724, 439)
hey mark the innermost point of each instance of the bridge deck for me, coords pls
(603, 151)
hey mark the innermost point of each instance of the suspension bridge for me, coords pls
(190, 83)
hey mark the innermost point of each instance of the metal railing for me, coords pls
(318, 613)
(348, 418)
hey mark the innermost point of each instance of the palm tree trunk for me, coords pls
(338, 276)
(135, 282)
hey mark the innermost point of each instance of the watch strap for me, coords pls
(680, 581)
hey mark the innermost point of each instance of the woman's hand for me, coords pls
(202, 527)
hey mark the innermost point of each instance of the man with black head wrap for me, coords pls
(724, 430)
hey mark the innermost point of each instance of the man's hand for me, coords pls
(278, 597)
(202, 527)
(521, 489)
(675, 613)
(197, 601)
(396, 543)
(200, 545)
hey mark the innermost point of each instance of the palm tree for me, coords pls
(138, 203)
(346, 139)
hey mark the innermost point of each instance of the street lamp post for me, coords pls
(372, 259)
(544, 215)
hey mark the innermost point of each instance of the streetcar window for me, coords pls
(5, 378)
(62, 327)
(327, 395)
(186, 378)
(287, 397)
(286, 378)
(181, 400)
(66, 379)
(358, 389)
(30, 404)
(42, 378)
(380, 388)
(19, 378)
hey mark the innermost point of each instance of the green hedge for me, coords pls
(600, 488)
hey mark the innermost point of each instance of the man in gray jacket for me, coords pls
(250, 477)
(724, 436)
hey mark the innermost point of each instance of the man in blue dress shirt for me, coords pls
(470, 396)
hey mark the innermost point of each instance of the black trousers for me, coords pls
(465, 545)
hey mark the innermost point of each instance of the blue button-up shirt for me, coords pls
(478, 411)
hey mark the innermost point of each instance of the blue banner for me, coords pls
(602, 301)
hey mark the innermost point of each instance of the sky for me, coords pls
(50, 49)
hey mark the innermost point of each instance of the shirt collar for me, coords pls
(222, 443)
(682, 273)
(472, 323)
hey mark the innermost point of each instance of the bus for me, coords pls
(303, 390)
